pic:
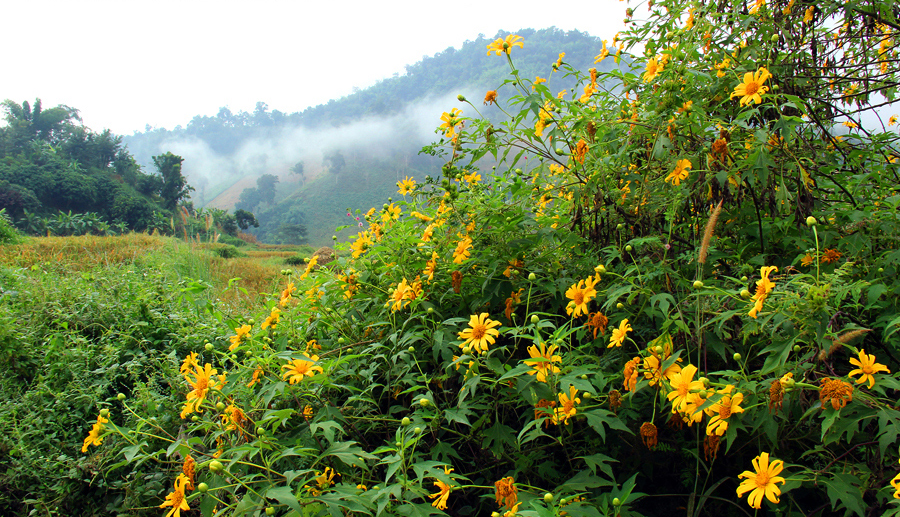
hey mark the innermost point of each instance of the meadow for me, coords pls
(674, 294)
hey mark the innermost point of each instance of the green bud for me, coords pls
(584, 377)
(417, 430)
(535, 318)
(620, 305)
(532, 277)
(251, 322)
(698, 284)
(587, 395)
(341, 341)
(774, 38)
(104, 413)
(628, 249)
(270, 511)
(461, 98)
(797, 349)
(620, 226)
(216, 466)
(195, 418)
(736, 356)
(548, 497)
(260, 431)
(334, 237)
(616, 501)
(120, 396)
(406, 421)
(744, 279)
(811, 221)
(424, 402)
(208, 347)
(430, 310)
(745, 294)
(220, 406)
(411, 349)
(202, 488)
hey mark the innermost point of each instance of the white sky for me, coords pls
(128, 63)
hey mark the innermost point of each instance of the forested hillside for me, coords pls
(350, 152)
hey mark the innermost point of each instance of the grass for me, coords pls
(259, 272)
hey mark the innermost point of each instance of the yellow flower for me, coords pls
(580, 294)
(764, 286)
(566, 409)
(431, 266)
(309, 267)
(559, 60)
(602, 55)
(400, 296)
(654, 372)
(543, 366)
(283, 301)
(831, 255)
(761, 481)
(867, 368)
(451, 120)
(201, 385)
(654, 67)
(537, 80)
(325, 479)
(234, 418)
(189, 363)
(490, 97)
(501, 45)
(680, 173)
(461, 253)
(807, 260)
(787, 10)
(240, 333)
(93, 437)
(619, 334)
(273, 318)
(361, 244)
(175, 499)
(756, 6)
(472, 178)
(406, 186)
(440, 497)
(836, 391)
(682, 385)
(299, 368)
(255, 378)
(631, 373)
(481, 332)
(581, 149)
(892, 120)
(808, 15)
(506, 493)
(753, 87)
(723, 409)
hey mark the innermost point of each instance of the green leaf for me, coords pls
(284, 495)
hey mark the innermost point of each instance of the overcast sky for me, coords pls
(128, 63)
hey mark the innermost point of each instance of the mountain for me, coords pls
(350, 152)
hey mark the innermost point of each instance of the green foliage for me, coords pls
(8, 233)
(482, 338)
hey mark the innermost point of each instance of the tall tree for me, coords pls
(266, 186)
(175, 186)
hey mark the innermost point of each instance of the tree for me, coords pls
(291, 234)
(175, 187)
(249, 199)
(298, 170)
(265, 184)
(245, 219)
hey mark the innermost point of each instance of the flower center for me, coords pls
(762, 479)
(751, 88)
(478, 331)
(579, 298)
(202, 383)
(725, 411)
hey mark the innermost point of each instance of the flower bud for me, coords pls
(535, 318)
(616, 501)
(548, 497)
(216, 466)
(698, 284)
(736, 356)
(745, 294)
(532, 277)
(120, 396)
(406, 421)
(424, 402)
(461, 98)
(202, 488)
(811, 221)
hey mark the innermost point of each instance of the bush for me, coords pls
(8, 233)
